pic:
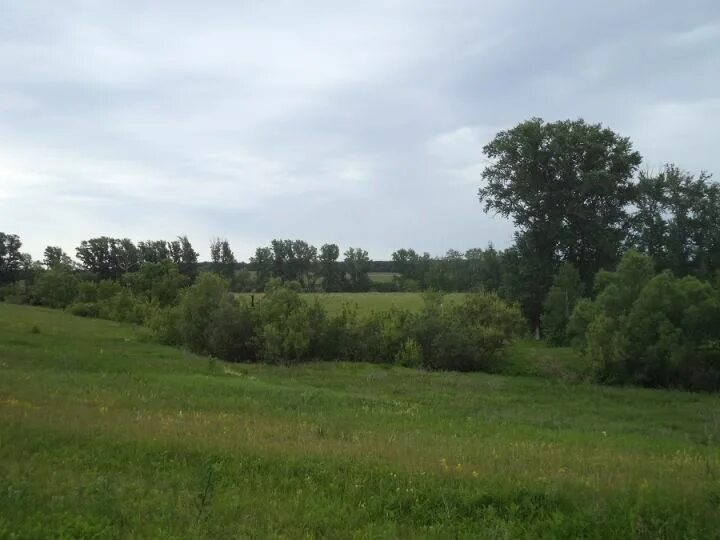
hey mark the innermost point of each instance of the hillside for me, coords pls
(105, 436)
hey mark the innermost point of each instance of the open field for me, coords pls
(365, 302)
(382, 277)
(105, 436)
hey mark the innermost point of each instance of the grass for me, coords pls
(365, 302)
(105, 436)
(382, 277)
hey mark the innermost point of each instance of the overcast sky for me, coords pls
(357, 125)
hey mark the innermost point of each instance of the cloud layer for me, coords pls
(357, 125)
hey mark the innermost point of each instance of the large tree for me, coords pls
(108, 258)
(568, 184)
(55, 257)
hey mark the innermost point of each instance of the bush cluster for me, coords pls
(651, 330)
(285, 328)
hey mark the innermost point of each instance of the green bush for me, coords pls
(195, 310)
(561, 299)
(84, 309)
(164, 325)
(56, 288)
(87, 292)
(159, 282)
(652, 331)
(383, 333)
(286, 330)
(122, 307)
(410, 354)
(231, 331)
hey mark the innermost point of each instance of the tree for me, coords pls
(330, 270)
(54, 257)
(222, 258)
(56, 288)
(154, 251)
(357, 265)
(11, 260)
(263, 263)
(677, 221)
(183, 254)
(160, 282)
(527, 276)
(108, 258)
(566, 290)
(568, 184)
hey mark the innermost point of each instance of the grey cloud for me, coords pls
(360, 124)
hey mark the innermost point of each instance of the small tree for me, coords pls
(562, 297)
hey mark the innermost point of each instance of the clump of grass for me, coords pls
(35, 329)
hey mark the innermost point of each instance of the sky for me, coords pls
(360, 123)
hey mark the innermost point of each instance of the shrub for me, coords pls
(466, 336)
(159, 282)
(566, 290)
(164, 325)
(87, 292)
(410, 354)
(84, 309)
(285, 327)
(122, 307)
(195, 310)
(383, 333)
(56, 288)
(660, 331)
(231, 331)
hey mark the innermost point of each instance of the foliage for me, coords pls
(677, 221)
(567, 183)
(84, 309)
(54, 257)
(159, 282)
(652, 331)
(285, 329)
(222, 258)
(562, 297)
(357, 266)
(108, 258)
(56, 288)
(330, 270)
(195, 310)
(410, 354)
(11, 259)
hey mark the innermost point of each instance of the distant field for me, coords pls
(365, 302)
(382, 277)
(105, 436)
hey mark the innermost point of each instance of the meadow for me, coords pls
(104, 435)
(364, 302)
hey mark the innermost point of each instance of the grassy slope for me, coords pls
(104, 436)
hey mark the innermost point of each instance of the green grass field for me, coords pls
(382, 277)
(105, 436)
(365, 302)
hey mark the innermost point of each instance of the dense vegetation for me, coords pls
(107, 436)
(619, 262)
